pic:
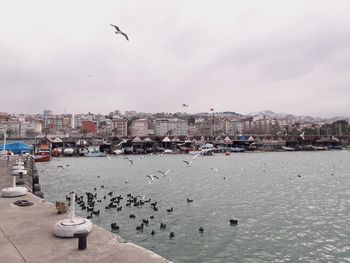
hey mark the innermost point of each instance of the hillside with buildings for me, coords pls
(132, 124)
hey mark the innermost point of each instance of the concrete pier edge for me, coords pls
(27, 235)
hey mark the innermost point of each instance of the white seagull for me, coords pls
(151, 177)
(196, 156)
(164, 173)
(131, 161)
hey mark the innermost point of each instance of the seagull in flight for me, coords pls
(151, 177)
(164, 173)
(196, 156)
(188, 162)
(118, 31)
(131, 161)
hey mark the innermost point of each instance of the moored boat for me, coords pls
(56, 152)
(288, 149)
(94, 152)
(206, 152)
(42, 157)
(68, 151)
(237, 149)
(118, 151)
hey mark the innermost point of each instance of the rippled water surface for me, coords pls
(282, 217)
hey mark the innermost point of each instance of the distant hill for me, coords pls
(301, 118)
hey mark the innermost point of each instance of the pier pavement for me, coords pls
(26, 235)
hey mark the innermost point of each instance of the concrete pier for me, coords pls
(26, 235)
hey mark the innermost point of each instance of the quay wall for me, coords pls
(26, 233)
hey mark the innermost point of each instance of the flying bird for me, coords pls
(131, 161)
(196, 156)
(184, 105)
(118, 31)
(188, 162)
(151, 177)
(164, 173)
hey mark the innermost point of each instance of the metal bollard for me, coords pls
(82, 236)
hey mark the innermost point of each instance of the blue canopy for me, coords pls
(17, 147)
(242, 138)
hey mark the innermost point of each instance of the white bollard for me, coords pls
(69, 227)
(72, 212)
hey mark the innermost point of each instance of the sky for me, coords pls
(289, 56)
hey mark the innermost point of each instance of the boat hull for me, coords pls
(95, 154)
(42, 158)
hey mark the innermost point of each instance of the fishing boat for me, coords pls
(318, 148)
(237, 149)
(56, 152)
(288, 149)
(68, 151)
(206, 152)
(118, 151)
(42, 157)
(43, 153)
(93, 151)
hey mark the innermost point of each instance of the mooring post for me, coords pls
(82, 239)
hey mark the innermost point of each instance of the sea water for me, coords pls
(290, 206)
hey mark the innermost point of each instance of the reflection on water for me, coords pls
(281, 217)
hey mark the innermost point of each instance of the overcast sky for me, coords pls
(244, 56)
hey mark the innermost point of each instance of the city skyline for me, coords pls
(242, 56)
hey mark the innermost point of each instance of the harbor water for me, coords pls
(290, 206)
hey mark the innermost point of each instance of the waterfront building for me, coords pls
(16, 128)
(130, 114)
(139, 127)
(11, 127)
(175, 127)
(192, 130)
(89, 126)
(4, 116)
(234, 126)
(204, 129)
(30, 129)
(53, 123)
(120, 127)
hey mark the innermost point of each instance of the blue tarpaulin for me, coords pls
(17, 147)
(242, 138)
